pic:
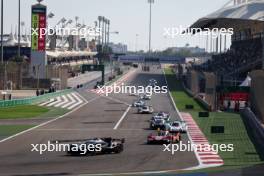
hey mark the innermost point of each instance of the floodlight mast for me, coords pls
(150, 22)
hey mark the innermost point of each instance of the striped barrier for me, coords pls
(68, 101)
(33, 100)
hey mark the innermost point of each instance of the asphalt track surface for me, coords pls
(97, 118)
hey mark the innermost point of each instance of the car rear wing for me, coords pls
(122, 140)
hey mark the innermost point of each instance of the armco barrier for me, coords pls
(33, 100)
(255, 129)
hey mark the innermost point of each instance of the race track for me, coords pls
(97, 118)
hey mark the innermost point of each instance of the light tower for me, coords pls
(150, 22)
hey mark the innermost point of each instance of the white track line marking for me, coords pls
(90, 129)
(78, 103)
(122, 118)
(77, 95)
(47, 102)
(65, 100)
(55, 102)
(72, 101)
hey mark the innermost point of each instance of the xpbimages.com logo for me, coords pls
(60, 147)
(191, 147)
(124, 89)
(173, 32)
(81, 32)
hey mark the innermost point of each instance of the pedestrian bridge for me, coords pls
(151, 59)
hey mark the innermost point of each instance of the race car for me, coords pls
(102, 146)
(162, 115)
(153, 82)
(138, 103)
(163, 137)
(145, 97)
(158, 123)
(133, 94)
(145, 110)
(177, 126)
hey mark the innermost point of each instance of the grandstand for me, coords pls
(242, 57)
(246, 51)
(230, 69)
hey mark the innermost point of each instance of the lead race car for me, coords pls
(163, 137)
(153, 82)
(97, 146)
(145, 97)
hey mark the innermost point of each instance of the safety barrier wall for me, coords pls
(33, 100)
(255, 129)
(201, 101)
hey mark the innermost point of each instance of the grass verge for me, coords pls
(21, 112)
(30, 111)
(9, 130)
(54, 112)
(244, 153)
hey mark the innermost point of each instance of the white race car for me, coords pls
(134, 94)
(177, 126)
(152, 82)
(163, 115)
(145, 97)
(138, 103)
(145, 110)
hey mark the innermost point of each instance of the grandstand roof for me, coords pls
(60, 54)
(235, 16)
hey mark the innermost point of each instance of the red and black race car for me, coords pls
(163, 137)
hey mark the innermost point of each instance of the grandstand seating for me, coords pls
(243, 56)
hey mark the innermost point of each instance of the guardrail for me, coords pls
(33, 100)
(255, 129)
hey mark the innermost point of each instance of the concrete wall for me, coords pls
(210, 89)
(59, 73)
(38, 62)
(257, 93)
(255, 130)
(64, 76)
(209, 100)
(193, 81)
(14, 73)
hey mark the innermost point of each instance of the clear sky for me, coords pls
(129, 17)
